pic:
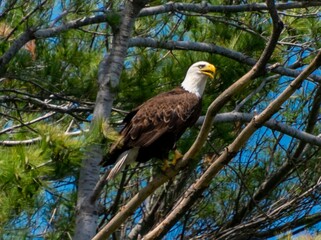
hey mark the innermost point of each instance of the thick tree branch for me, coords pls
(108, 78)
(271, 124)
(207, 8)
(212, 48)
(13, 50)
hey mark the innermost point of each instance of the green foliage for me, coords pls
(19, 176)
(26, 172)
(63, 151)
(114, 20)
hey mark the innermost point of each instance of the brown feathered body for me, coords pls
(154, 127)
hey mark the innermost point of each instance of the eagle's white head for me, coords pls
(196, 76)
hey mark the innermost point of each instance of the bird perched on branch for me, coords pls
(152, 129)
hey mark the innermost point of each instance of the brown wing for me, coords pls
(161, 120)
(172, 112)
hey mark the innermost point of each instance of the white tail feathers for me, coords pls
(124, 159)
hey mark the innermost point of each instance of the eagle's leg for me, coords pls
(177, 156)
(167, 164)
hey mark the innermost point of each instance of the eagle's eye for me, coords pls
(201, 66)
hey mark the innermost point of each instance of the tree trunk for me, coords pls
(108, 79)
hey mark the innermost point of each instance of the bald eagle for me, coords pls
(152, 129)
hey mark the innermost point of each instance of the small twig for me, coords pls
(47, 115)
(11, 143)
(258, 89)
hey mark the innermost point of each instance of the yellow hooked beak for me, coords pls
(209, 70)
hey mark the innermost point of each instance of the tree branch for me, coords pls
(8, 129)
(212, 48)
(208, 8)
(292, 225)
(11, 143)
(64, 108)
(13, 50)
(271, 124)
(219, 118)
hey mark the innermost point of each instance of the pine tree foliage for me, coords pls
(51, 57)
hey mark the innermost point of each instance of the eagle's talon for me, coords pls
(177, 156)
(171, 164)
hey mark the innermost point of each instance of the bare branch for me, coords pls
(47, 115)
(271, 124)
(275, 212)
(208, 8)
(212, 48)
(293, 225)
(11, 143)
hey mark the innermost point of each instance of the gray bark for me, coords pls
(108, 80)
(206, 8)
(87, 213)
